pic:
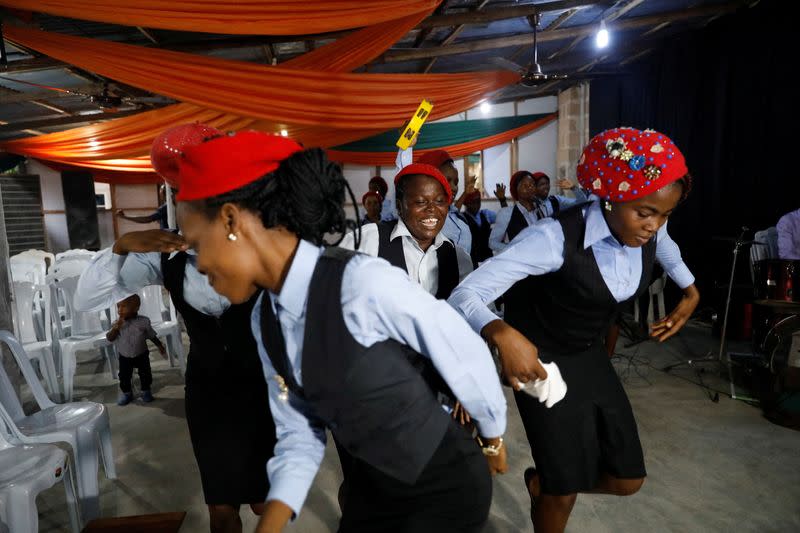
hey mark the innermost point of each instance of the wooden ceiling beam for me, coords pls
(526, 39)
(66, 121)
(502, 13)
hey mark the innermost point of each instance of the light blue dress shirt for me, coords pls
(457, 230)
(539, 249)
(379, 302)
(110, 278)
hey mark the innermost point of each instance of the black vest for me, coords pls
(392, 251)
(570, 310)
(480, 238)
(374, 400)
(220, 349)
(517, 222)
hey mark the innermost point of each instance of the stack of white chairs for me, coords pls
(83, 426)
(87, 331)
(39, 348)
(152, 304)
(25, 471)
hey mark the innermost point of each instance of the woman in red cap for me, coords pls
(577, 271)
(227, 409)
(455, 227)
(531, 191)
(415, 242)
(371, 202)
(341, 335)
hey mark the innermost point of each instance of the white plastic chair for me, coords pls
(87, 333)
(152, 304)
(38, 350)
(47, 257)
(77, 253)
(28, 268)
(84, 426)
(655, 292)
(25, 471)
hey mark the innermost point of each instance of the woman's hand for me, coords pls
(461, 415)
(673, 322)
(154, 240)
(497, 463)
(275, 517)
(519, 358)
(500, 192)
(565, 184)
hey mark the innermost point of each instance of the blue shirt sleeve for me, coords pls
(301, 436)
(669, 257)
(498, 233)
(380, 302)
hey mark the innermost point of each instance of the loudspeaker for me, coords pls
(81, 209)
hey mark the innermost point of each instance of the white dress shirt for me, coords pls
(423, 266)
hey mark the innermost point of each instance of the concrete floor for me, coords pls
(713, 467)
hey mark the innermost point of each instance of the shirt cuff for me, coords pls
(290, 491)
(492, 428)
(480, 317)
(681, 275)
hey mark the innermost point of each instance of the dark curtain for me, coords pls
(723, 94)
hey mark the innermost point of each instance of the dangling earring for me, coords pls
(232, 237)
(607, 206)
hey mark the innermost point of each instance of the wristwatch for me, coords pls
(490, 450)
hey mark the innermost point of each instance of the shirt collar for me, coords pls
(294, 292)
(401, 230)
(596, 227)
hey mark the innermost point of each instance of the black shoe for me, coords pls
(530, 473)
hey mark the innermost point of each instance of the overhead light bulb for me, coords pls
(284, 133)
(486, 107)
(602, 35)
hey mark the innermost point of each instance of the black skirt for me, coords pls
(453, 493)
(233, 437)
(590, 432)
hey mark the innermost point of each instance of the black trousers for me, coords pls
(142, 364)
(453, 493)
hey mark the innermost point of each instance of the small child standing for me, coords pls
(129, 335)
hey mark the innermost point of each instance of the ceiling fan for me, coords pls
(107, 99)
(532, 75)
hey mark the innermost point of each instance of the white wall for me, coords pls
(136, 201)
(55, 223)
(537, 150)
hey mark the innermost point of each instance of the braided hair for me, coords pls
(305, 194)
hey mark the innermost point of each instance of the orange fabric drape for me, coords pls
(256, 17)
(119, 145)
(456, 150)
(280, 94)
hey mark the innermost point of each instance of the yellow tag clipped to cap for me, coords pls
(412, 128)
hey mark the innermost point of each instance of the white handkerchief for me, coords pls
(549, 391)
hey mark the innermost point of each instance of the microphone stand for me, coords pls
(710, 357)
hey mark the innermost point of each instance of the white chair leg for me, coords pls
(49, 370)
(22, 515)
(170, 345)
(636, 311)
(107, 451)
(650, 317)
(69, 366)
(86, 465)
(661, 309)
(72, 500)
